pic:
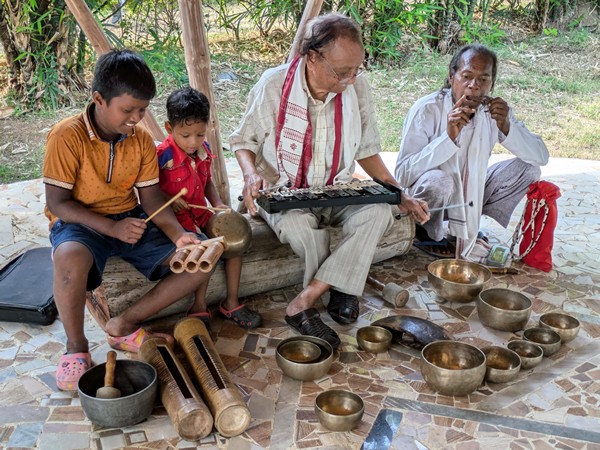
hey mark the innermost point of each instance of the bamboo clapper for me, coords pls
(202, 256)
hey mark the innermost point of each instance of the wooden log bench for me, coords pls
(267, 265)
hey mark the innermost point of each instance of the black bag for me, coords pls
(26, 288)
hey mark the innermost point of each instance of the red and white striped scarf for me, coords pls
(293, 139)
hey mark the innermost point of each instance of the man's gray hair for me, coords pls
(323, 30)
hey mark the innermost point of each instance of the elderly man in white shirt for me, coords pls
(306, 124)
(447, 140)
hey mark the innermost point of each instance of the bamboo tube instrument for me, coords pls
(231, 415)
(203, 256)
(190, 416)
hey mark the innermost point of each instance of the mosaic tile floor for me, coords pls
(556, 405)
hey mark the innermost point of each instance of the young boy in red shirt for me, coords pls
(93, 162)
(184, 159)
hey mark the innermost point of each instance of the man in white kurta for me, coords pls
(447, 140)
(306, 124)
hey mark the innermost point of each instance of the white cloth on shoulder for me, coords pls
(296, 123)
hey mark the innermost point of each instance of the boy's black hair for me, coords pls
(121, 72)
(187, 104)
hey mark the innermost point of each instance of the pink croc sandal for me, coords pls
(132, 342)
(70, 368)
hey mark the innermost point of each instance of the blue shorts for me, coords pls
(146, 255)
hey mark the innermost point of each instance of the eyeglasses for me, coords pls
(346, 76)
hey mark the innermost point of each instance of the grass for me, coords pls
(552, 83)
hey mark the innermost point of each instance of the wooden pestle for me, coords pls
(108, 390)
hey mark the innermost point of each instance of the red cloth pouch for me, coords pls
(535, 232)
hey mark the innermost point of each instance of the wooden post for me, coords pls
(197, 61)
(100, 43)
(312, 9)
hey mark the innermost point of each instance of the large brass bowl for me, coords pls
(502, 364)
(457, 280)
(234, 227)
(546, 338)
(503, 309)
(531, 354)
(339, 410)
(452, 368)
(566, 326)
(305, 371)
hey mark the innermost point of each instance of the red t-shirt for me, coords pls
(179, 170)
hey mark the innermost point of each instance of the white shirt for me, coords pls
(259, 125)
(426, 146)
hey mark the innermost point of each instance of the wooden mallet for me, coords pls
(109, 390)
(390, 292)
(181, 193)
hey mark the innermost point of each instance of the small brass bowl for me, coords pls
(374, 339)
(546, 338)
(457, 280)
(452, 368)
(502, 364)
(503, 309)
(339, 410)
(566, 326)
(300, 351)
(531, 354)
(306, 371)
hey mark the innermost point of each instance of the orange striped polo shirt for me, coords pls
(78, 160)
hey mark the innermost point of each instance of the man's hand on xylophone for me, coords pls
(417, 209)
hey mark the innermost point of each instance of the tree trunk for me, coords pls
(37, 41)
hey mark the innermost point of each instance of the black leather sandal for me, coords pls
(309, 323)
(343, 308)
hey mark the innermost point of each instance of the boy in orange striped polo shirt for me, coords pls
(93, 163)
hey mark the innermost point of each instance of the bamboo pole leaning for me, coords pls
(197, 61)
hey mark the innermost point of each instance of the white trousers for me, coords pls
(346, 266)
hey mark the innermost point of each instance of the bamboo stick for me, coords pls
(209, 208)
(182, 192)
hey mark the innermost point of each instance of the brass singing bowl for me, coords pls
(503, 309)
(300, 351)
(339, 410)
(305, 371)
(452, 368)
(457, 280)
(546, 338)
(234, 227)
(566, 326)
(374, 339)
(531, 354)
(502, 364)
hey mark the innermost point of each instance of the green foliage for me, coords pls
(168, 66)
(385, 22)
(262, 15)
(42, 79)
